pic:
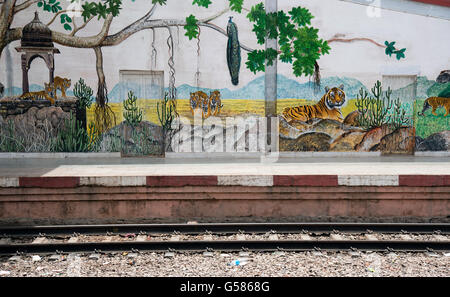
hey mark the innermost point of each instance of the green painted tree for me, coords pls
(299, 42)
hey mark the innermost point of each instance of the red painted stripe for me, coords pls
(435, 2)
(49, 182)
(424, 180)
(305, 180)
(180, 181)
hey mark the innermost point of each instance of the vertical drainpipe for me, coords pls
(270, 89)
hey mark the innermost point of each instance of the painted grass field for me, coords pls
(231, 107)
(425, 125)
(429, 124)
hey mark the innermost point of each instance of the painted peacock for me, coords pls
(233, 52)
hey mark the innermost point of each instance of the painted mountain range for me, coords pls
(287, 88)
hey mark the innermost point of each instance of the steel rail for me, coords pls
(224, 228)
(228, 245)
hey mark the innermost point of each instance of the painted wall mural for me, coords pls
(431, 116)
(185, 76)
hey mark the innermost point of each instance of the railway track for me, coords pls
(224, 228)
(196, 245)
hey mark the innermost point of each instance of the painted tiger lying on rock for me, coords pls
(209, 105)
(326, 108)
(435, 103)
(50, 89)
(44, 94)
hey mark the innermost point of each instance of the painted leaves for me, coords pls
(299, 43)
(191, 27)
(390, 49)
(101, 10)
(50, 6)
(54, 7)
(191, 21)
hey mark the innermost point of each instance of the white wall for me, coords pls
(425, 38)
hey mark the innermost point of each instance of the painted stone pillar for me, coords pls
(51, 68)
(271, 87)
(25, 84)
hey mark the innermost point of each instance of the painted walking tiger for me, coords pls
(435, 103)
(62, 84)
(326, 108)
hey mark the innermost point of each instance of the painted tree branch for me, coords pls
(84, 42)
(218, 29)
(102, 39)
(102, 92)
(55, 16)
(6, 18)
(129, 30)
(104, 116)
(348, 40)
(24, 5)
(76, 28)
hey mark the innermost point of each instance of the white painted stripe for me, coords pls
(245, 180)
(251, 155)
(328, 154)
(432, 154)
(114, 181)
(368, 180)
(8, 182)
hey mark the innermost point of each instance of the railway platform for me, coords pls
(147, 190)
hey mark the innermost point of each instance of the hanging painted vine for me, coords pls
(154, 51)
(197, 73)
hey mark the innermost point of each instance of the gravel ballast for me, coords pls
(280, 264)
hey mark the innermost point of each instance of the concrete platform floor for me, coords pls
(78, 167)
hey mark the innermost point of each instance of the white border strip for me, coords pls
(57, 155)
(368, 180)
(114, 181)
(432, 154)
(328, 154)
(406, 6)
(212, 155)
(8, 182)
(245, 180)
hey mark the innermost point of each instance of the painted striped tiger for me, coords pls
(195, 102)
(210, 106)
(44, 94)
(435, 103)
(215, 102)
(326, 108)
(206, 107)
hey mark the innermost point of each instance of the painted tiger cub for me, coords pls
(44, 94)
(206, 107)
(195, 102)
(209, 105)
(215, 102)
(326, 108)
(435, 103)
